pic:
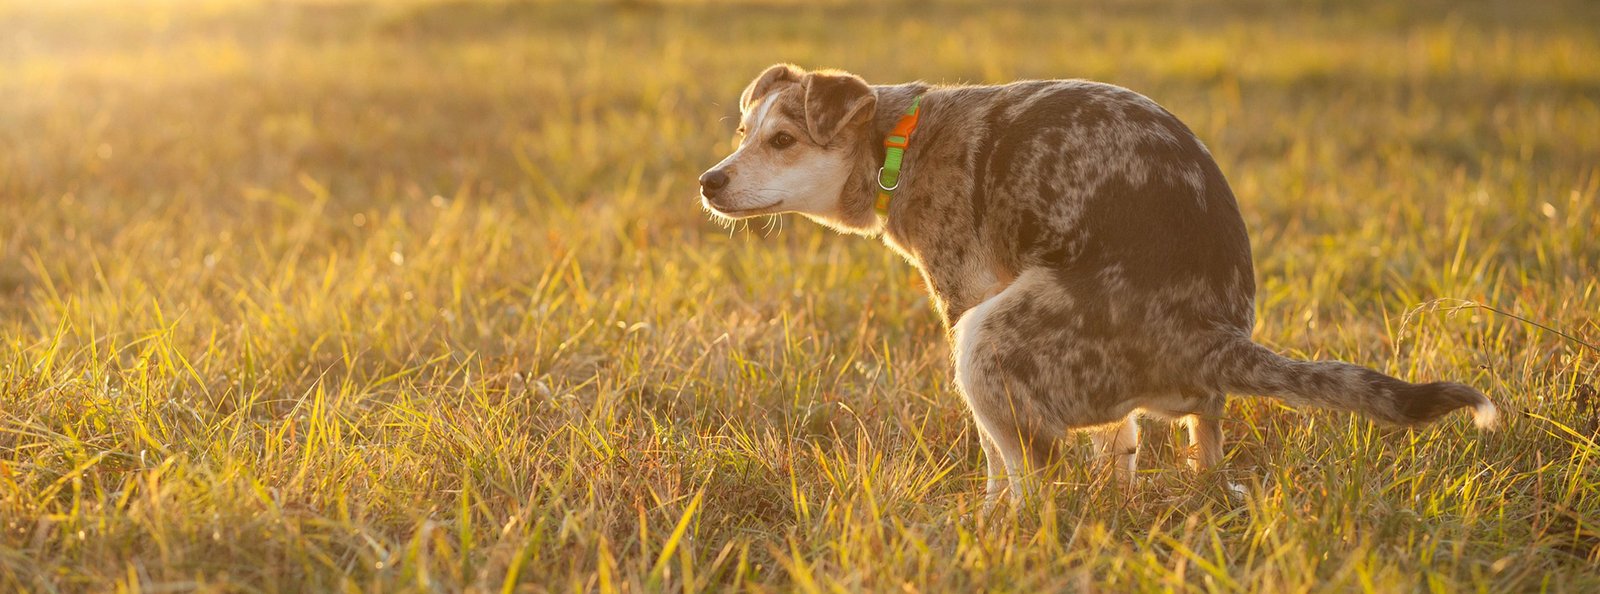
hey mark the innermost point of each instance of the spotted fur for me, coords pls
(1080, 243)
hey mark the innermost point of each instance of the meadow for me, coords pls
(339, 295)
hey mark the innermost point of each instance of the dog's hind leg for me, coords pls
(995, 475)
(1005, 406)
(1119, 443)
(1016, 456)
(1205, 433)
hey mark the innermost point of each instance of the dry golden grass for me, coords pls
(417, 296)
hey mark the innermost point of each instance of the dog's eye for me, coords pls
(781, 140)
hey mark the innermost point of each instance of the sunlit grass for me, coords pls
(310, 296)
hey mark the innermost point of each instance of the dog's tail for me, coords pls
(1241, 366)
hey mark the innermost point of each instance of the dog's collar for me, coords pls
(894, 151)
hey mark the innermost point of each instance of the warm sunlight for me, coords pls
(530, 296)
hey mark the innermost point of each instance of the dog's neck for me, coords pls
(893, 100)
(856, 212)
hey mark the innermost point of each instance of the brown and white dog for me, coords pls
(1080, 243)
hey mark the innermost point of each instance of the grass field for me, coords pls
(303, 296)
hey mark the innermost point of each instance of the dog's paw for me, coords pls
(1237, 492)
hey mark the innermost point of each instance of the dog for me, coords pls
(1081, 246)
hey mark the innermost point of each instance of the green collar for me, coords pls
(895, 151)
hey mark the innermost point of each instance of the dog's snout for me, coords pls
(712, 181)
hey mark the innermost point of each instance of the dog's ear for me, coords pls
(835, 100)
(774, 75)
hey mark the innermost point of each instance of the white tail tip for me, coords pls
(1485, 415)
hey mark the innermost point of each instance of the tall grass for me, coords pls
(416, 296)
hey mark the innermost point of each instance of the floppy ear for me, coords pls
(835, 100)
(773, 76)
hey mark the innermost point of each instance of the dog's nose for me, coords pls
(712, 181)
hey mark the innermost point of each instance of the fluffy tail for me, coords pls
(1243, 367)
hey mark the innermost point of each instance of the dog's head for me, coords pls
(801, 137)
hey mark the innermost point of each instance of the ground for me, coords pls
(305, 295)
